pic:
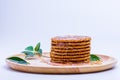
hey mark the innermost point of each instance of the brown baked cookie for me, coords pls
(70, 47)
(70, 43)
(68, 56)
(70, 51)
(65, 62)
(70, 38)
(74, 59)
(71, 61)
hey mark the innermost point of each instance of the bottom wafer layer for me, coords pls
(71, 61)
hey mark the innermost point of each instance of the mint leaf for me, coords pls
(40, 51)
(94, 57)
(18, 60)
(37, 47)
(29, 48)
(28, 53)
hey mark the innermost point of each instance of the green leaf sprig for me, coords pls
(94, 57)
(30, 51)
(18, 60)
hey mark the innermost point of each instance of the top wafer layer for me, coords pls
(70, 38)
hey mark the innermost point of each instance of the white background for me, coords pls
(27, 22)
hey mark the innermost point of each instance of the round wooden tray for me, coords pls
(43, 65)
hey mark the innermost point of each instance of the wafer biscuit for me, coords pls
(74, 59)
(70, 38)
(69, 57)
(71, 61)
(73, 50)
(70, 54)
(70, 47)
(70, 43)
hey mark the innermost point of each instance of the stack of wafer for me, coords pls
(67, 49)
